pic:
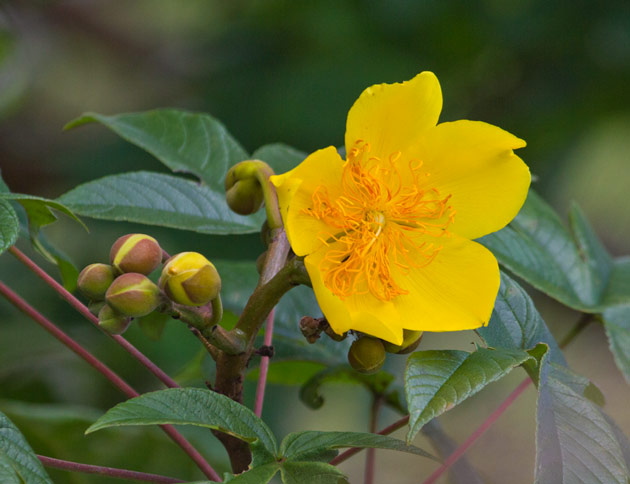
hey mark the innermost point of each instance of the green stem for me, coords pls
(264, 171)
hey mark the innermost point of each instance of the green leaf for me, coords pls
(39, 210)
(311, 473)
(3, 186)
(183, 141)
(618, 289)
(302, 445)
(576, 442)
(9, 226)
(617, 325)
(39, 213)
(516, 323)
(571, 266)
(193, 406)
(153, 324)
(438, 380)
(8, 474)
(381, 383)
(257, 475)
(158, 199)
(67, 270)
(16, 454)
(280, 157)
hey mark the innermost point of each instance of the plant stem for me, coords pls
(461, 450)
(264, 366)
(107, 372)
(355, 450)
(274, 219)
(370, 458)
(73, 345)
(83, 310)
(275, 280)
(106, 471)
(581, 324)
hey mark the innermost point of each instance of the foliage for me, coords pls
(576, 441)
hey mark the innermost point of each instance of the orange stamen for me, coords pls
(377, 218)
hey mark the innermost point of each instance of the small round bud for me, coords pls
(95, 307)
(133, 294)
(190, 279)
(111, 321)
(245, 197)
(411, 340)
(243, 192)
(94, 280)
(136, 253)
(366, 355)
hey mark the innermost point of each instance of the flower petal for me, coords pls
(474, 162)
(456, 291)
(295, 191)
(363, 313)
(391, 116)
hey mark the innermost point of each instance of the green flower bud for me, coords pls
(367, 355)
(133, 294)
(243, 191)
(95, 307)
(136, 253)
(111, 321)
(94, 280)
(411, 340)
(190, 279)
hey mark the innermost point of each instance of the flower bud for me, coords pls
(411, 340)
(190, 279)
(366, 355)
(243, 192)
(111, 321)
(95, 307)
(94, 280)
(133, 294)
(136, 253)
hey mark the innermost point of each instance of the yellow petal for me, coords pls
(295, 191)
(474, 162)
(363, 313)
(456, 291)
(390, 117)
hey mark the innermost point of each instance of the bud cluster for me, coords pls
(122, 290)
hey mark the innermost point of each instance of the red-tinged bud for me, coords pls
(136, 253)
(94, 280)
(112, 321)
(133, 294)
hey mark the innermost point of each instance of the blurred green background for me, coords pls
(556, 74)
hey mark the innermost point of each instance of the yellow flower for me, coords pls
(386, 234)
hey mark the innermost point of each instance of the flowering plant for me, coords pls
(402, 237)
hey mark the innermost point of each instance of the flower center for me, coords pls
(384, 220)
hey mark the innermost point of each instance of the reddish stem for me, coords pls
(106, 471)
(27, 309)
(81, 308)
(49, 326)
(355, 450)
(461, 450)
(264, 366)
(370, 458)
